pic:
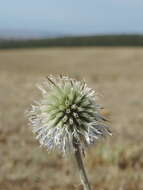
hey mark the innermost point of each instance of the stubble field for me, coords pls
(115, 163)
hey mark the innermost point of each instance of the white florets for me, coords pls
(67, 112)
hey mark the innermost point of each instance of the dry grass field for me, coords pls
(114, 164)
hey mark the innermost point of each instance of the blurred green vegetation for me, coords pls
(99, 40)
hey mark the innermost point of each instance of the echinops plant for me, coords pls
(68, 119)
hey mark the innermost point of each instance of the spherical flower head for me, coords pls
(66, 114)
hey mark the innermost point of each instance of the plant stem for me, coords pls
(81, 168)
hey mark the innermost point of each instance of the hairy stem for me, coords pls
(81, 168)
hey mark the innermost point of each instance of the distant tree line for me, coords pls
(99, 40)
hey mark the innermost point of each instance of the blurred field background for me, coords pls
(116, 163)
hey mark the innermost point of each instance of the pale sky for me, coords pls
(73, 16)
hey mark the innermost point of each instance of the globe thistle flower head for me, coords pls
(67, 113)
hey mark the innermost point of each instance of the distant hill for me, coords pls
(99, 40)
(27, 34)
